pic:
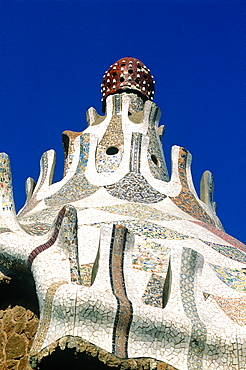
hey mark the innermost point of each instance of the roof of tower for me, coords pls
(128, 74)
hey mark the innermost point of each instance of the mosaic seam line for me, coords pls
(124, 312)
(51, 241)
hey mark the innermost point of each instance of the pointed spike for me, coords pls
(29, 187)
(6, 188)
(206, 189)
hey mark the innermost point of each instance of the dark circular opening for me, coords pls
(137, 80)
(112, 150)
(122, 79)
(114, 74)
(108, 84)
(130, 71)
(154, 159)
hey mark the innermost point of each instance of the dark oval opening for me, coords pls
(154, 159)
(112, 150)
(65, 143)
(130, 71)
(122, 79)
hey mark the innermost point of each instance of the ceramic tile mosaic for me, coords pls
(69, 152)
(155, 155)
(113, 138)
(198, 331)
(139, 211)
(86, 273)
(4, 230)
(6, 183)
(44, 167)
(234, 278)
(108, 163)
(39, 228)
(30, 185)
(117, 103)
(133, 187)
(149, 230)
(186, 200)
(124, 307)
(113, 135)
(70, 227)
(120, 256)
(46, 215)
(150, 257)
(45, 319)
(236, 243)
(78, 186)
(136, 143)
(153, 294)
(51, 240)
(235, 308)
(33, 201)
(228, 251)
(136, 103)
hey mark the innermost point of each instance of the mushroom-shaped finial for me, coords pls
(128, 74)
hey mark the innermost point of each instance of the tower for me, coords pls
(129, 265)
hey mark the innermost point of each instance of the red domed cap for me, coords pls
(128, 73)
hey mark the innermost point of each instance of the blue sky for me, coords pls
(54, 54)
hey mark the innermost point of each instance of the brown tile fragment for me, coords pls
(24, 363)
(102, 356)
(113, 361)
(16, 346)
(12, 364)
(92, 350)
(7, 317)
(18, 312)
(31, 328)
(162, 367)
(9, 327)
(29, 315)
(130, 364)
(20, 326)
(3, 339)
